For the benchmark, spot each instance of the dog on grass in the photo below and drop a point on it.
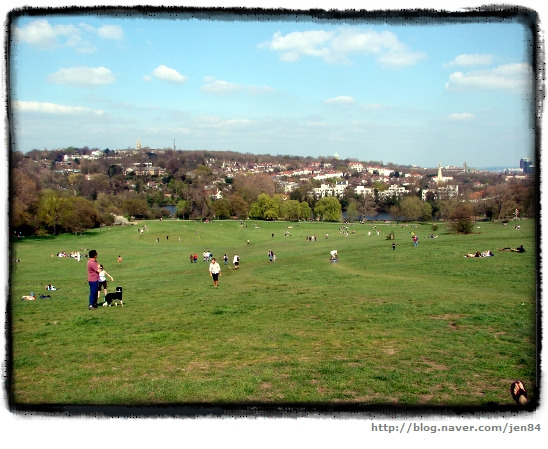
(114, 298)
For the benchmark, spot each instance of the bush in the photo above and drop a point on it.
(461, 226)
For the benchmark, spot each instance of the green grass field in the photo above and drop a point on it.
(418, 326)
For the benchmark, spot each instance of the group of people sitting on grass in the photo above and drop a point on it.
(519, 249)
(487, 253)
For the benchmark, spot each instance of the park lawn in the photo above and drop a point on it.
(418, 326)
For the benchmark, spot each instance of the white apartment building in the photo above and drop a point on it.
(336, 190)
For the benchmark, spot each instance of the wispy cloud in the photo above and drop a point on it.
(113, 32)
(168, 74)
(53, 109)
(82, 76)
(336, 47)
(470, 60)
(505, 77)
(343, 99)
(220, 87)
(460, 117)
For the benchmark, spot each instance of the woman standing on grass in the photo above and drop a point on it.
(214, 271)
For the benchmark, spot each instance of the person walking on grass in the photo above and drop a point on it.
(214, 271)
(93, 279)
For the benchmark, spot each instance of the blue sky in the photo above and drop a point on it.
(411, 94)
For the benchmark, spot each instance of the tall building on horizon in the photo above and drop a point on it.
(526, 165)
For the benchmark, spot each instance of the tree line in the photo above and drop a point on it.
(45, 201)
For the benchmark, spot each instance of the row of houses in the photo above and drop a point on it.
(339, 188)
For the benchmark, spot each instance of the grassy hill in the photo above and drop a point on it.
(416, 326)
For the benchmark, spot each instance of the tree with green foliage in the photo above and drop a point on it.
(135, 207)
(266, 208)
(49, 210)
(328, 209)
(238, 206)
(183, 209)
(77, 214)
(221, 208)
(305, 210)
(290, 210)
(352, 210)
(412, 208)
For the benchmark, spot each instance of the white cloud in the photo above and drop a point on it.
(111, 32)
(167, 74)
(53, 109)
(294, 45)
(220, 87)
(82, 76)
(45, 36)
(343, 99)
(504, 77)
(399, 59)
(41, 34)
(470, 60)
(460, 116)
(337, 46)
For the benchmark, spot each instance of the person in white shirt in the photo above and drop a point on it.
(236, 261)
(214, 271)
(103, 281)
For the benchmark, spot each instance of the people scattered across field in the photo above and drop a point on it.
(270, 255)
(236, 261)
(119, 259)
(415, 240)
(333, 256)
(519, 249)
(432, 236)
(214, 271)
(225, 259)
(50, 287)
(73, 255)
